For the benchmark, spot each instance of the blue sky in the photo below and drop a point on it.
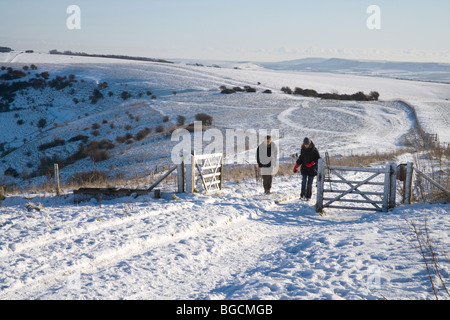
(233, 30)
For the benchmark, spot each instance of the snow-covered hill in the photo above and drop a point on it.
(159, 89)
(235, 244)
(434, 72)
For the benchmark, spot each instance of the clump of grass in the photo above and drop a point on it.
(94, 178)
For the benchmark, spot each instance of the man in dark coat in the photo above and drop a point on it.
(308, 160)
(266, 157)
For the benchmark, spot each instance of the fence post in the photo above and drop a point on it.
(392, 185)
(408, 182)
(387, 177)
(190, 174)
(221, 172)
(58, 190)
(320, 183)
(180, 176)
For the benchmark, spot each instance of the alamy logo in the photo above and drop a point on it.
(235, 144)
(73, 22)
(374, 20)
(373, 277)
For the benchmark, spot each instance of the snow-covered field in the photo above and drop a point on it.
(232, 245)
(235, 244)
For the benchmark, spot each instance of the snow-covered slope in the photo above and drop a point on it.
(235, 244)
(180, 89)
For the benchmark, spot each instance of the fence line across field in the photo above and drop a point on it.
(208, 169)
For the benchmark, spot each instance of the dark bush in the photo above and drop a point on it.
(55, 143)
(306, 92)
(42, 123)
(106, 144)
(125, 95)
(227, 91)
(46, 166)
(95, 152)
(59, 83)
(11, 172)
(374, 95)
(286, 90)
(12, 75)
(358, 96)
(142, 134)
(159, 128)
(204, 118)
(120, 139)
(45, 75)
(78, 138)
(180, 120)
(249, 89)
(96, 95)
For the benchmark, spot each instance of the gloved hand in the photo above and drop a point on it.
(309, 165)
(296, 168)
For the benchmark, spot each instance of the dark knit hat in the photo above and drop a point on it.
(306, 141)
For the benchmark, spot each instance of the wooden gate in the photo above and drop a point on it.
(207, 169)
(379, 196)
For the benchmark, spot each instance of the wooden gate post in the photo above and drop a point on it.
(320, 184)
(387, 177)
(408, 182)
(392, 185)
(190, 174)
(58, 189)
(180, 176)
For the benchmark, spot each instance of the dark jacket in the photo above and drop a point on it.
(308, 160)
(266, 156)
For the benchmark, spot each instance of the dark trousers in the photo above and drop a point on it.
(307, 182)
(267, 182)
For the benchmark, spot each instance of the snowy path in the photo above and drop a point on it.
(235, 245)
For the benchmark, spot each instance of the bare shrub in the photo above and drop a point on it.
(159, 128)
(142, 134)
(204, 118)
(180, 120)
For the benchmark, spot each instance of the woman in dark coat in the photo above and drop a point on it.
(309, 157)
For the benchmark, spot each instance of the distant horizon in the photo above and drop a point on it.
(79, 53)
